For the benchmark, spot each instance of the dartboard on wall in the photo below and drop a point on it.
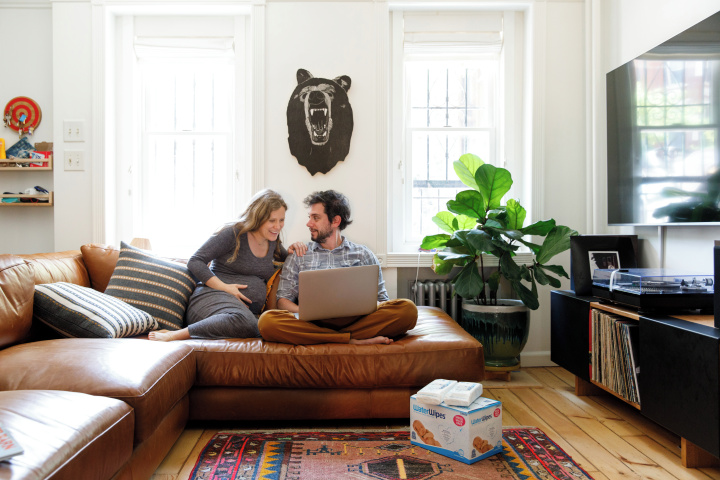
(22, 114)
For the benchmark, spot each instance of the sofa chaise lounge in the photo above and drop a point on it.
(113, 408)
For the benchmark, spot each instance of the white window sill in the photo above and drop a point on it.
(423, 259)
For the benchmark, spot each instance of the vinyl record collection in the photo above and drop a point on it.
(614, 354)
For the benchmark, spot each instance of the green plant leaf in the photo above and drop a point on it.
(540, 276)
(468, 283)
(469, 203)
(544, 279)
(516, 214)
(434, 241)
(525, 273)
(493, 183)
(532, 246)
(513, 234)
(480, 241)
(541, 228)
(503, 246)
(527, 296)
(465, 168)
(494, 281)
(509, 268)
(453, 257)
(444, 220)
(465, 223)
(558, 240)
(557, 270)
(440, 266)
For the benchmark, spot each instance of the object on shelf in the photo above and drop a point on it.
(2, 149)
(10, 199)
(21, 149)
(34, 193)
(652, 288)
(23, 115)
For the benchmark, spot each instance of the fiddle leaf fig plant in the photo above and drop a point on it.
(477, 224)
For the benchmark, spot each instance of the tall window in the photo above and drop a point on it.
(187, 151)
(179, 147)
(448, 91)
(450, 111)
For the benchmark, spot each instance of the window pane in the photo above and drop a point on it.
(187, 166)
(451, 93)
(434, 181)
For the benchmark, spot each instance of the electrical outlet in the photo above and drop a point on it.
(74, 160)
(74, 131)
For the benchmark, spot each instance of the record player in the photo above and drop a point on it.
(655, 288)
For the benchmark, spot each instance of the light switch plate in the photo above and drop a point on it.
(74, 130)
(74, 160)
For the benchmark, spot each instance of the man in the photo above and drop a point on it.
(329, 215)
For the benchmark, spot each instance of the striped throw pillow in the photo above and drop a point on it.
(159, 287)
(82, 312)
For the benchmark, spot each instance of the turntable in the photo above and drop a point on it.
(655, 289)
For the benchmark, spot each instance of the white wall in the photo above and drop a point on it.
(563, 147)
(72, 100)
(27, 71)
(329, 39)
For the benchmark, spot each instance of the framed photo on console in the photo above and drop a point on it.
(590, 252)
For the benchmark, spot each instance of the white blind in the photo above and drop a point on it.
(183, 47)
(479, 32)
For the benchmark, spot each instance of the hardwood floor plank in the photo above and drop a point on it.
(584, 447)
(566, 399)
(507, 419)
(659, 454)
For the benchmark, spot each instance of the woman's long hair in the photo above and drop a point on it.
(258, 212)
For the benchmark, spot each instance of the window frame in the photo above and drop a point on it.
(517, 150)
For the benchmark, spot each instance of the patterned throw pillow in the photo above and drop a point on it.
(82, 312)
(159, 287)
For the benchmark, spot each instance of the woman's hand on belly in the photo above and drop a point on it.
(231, 288)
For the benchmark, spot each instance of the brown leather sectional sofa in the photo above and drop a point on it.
(113, 408)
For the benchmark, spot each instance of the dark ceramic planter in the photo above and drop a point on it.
(502, 329)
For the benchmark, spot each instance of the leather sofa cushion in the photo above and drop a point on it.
(100, 261)
(66, 435)
(436, 348)
(149, 376)
(16, 299)
(65, 266)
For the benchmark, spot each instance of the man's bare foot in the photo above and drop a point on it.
(372, 341)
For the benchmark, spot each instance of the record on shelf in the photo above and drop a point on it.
(22, 114)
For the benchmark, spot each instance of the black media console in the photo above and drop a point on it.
(679, 369)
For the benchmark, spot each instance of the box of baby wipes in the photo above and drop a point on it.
(465, 433)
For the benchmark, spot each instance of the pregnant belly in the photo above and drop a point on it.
(255, 291)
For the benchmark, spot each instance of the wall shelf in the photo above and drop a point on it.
(49, 161)
(43, 200)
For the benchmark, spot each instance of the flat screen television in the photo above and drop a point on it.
(663, 132)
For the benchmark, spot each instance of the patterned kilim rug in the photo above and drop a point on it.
(527, 454)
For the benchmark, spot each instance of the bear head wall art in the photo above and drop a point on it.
(320, 121)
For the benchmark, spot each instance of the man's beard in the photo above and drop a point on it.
(321, 235)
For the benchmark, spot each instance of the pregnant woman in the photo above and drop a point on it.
(232, 269)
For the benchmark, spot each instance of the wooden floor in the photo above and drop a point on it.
(606, 437)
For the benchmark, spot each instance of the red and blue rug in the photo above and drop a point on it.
(527, 454)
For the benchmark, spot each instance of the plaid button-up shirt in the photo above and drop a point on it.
(347, 254)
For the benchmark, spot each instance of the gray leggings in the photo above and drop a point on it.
(215, 314)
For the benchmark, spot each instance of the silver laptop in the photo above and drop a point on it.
(338, 292)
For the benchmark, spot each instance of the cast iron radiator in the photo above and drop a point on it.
(437, 293)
